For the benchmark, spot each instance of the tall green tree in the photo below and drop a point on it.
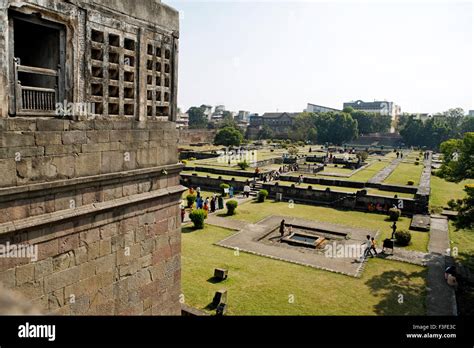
(335, 127)
(458, 154)
(228, 136)
(303, 128)
(197, 118)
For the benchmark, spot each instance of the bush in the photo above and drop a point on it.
(231, 206)
(452, 204)
(191, 158)
(403, 237)
(262, 194)
(394, 214)
(197, 217)
(191, 199)
(243, 165)
(417, 163)
(410, 182)
(224, 186)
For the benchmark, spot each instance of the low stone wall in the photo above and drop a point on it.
(228, 172)
(184, 155)
(212, 184)
(339, 199)
(324, 181)
(196, 136)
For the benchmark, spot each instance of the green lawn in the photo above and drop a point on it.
(442, 191)
(367, 173)
(254, 212)
(464, 240)
(405, 172)
(263, 286)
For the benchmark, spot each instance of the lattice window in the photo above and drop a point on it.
(159, 77)
(113, 56)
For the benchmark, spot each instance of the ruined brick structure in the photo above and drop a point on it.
(89, 170)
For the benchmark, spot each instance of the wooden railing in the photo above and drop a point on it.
(35, 100)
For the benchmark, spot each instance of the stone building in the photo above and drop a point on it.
(89, 173)
(280, 124)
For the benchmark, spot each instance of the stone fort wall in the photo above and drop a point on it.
(94, 196)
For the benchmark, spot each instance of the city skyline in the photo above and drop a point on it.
(293, 53)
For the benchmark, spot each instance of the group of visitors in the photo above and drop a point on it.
(211, 204)
(370, 245)
(289, 168)
(400, 154)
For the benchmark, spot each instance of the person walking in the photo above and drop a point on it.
(394, 229)
(282, 228)
(373, 245)
(213, 204)
(368, 245)
(199, 202)
(247, 190)
(183, 213)
(231, 192)
(206, 204)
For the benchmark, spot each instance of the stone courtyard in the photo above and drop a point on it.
(263, 239)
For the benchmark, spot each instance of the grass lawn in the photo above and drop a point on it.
(405, 172)
(442, 191)
(367, 173)
(263, 286)
(254, 212)
(464, 240)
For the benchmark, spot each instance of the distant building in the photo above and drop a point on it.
(182, 120)
(243, 116)
(318, 108)
(471, 113)
(207, 111)
(380, 107)
(279, 122)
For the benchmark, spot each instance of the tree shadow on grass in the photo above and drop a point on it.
(399, 296)
(190, 229)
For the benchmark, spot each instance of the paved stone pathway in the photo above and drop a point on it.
(441, 298)
(385, 172)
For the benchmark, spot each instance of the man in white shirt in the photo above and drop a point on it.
(247, 190)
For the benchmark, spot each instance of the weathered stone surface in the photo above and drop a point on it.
(63, 181)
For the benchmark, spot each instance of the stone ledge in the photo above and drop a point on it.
(95, 208)
(7, 193)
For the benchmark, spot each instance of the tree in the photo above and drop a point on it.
(228, 120)
(197, 118)
(303, 128)
(228, 136)
(265, 133)
(335, 127)
(458, 161)
(467, 125)
(465, 208)
(293, 151)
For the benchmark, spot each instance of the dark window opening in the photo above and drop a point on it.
(129, 44)
(128, 76)
(37, 61)
(114, 40)
(97, 36)
(167, 54)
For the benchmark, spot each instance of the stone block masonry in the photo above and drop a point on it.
(89, 197)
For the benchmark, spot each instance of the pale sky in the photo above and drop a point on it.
(264, 56)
